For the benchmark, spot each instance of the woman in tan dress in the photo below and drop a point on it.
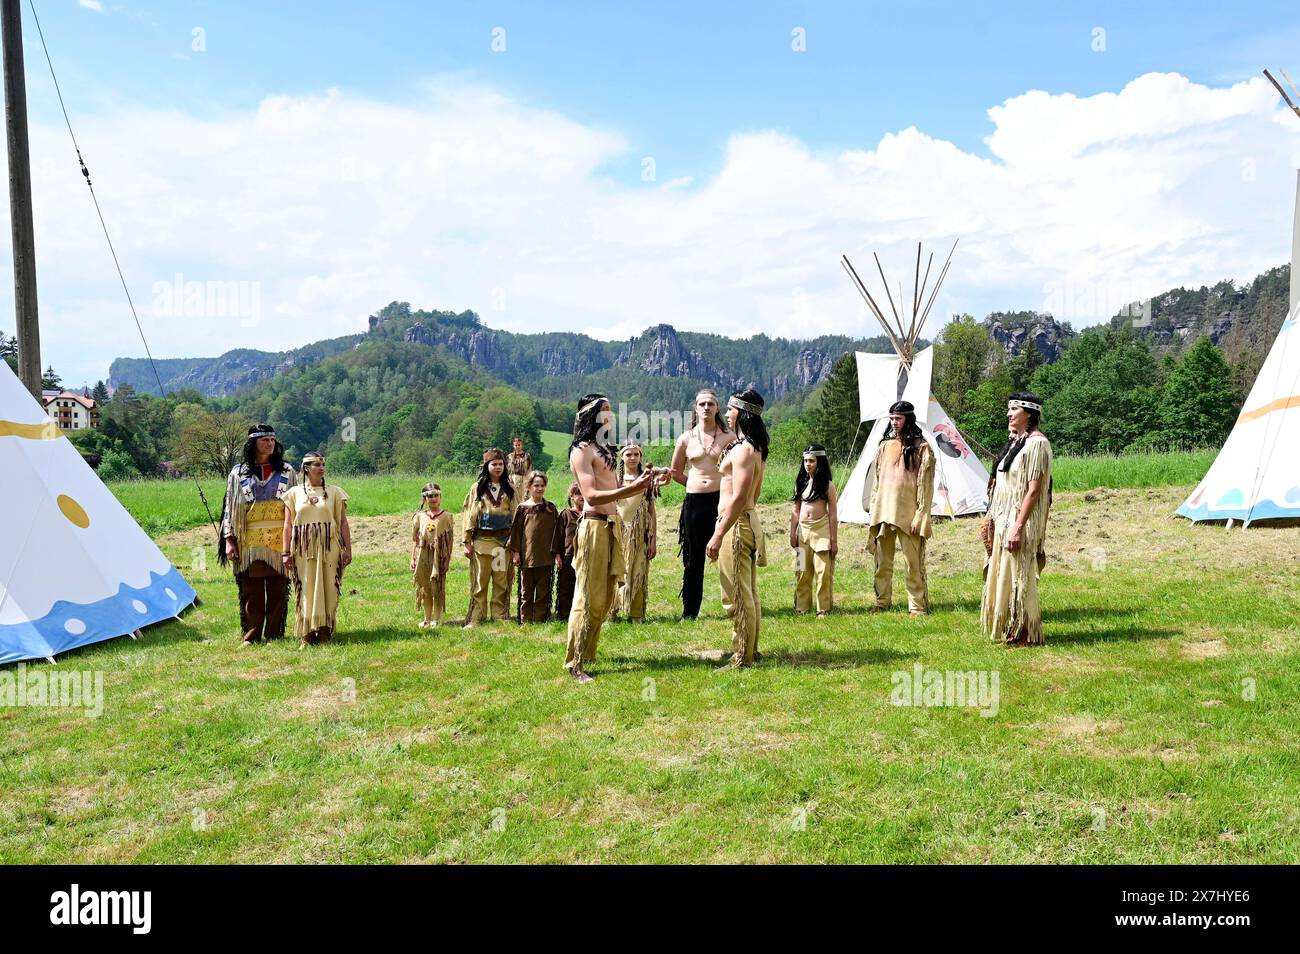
(486, 518)
(317, 547)
(1010, 611)
(431, 540)
(640, 538)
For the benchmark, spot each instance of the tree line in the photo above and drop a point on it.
(384, 406)
(1106, 393)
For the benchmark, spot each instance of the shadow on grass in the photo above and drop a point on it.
(788, 612)
(1076, 613)
(811, 659)
(1112, 634)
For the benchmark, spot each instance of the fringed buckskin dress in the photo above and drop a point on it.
(1010, 612)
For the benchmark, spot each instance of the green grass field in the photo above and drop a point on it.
(165, 506)
(1157, 725)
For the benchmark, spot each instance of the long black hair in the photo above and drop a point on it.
(250, 448)
(587, 428)
(910, 436)
(750, 425)
(821, 478)
(1008, 456)
(485, 479)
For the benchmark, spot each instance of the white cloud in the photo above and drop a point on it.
(91, 5)
(331, 205)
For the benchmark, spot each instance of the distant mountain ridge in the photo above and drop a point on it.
(560, 364)
(224, 375)
(661, 364)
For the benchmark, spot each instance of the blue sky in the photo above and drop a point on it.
(701, 88)
(676, 78)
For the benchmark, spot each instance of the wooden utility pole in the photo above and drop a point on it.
(20, 198)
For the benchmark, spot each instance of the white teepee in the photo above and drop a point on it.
(961, 482)
(1257, 473)
(75, 568)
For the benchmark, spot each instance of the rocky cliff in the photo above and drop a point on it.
(1013, 330)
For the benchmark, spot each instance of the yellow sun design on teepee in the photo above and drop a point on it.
(74, 511)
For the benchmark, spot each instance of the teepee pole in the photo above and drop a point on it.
(925, 283)
(916, 288)
(1278, 86)
(884, 281)
(1295, 253)
(871, 302)
(943, 273)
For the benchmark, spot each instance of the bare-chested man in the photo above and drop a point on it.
(598, 558)
(695, 464)
(737, 541)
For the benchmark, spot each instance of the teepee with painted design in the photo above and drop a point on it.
(1257, 473)
(960, 480)
(75, 568)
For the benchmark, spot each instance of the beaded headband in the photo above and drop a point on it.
(256, 434)
(1027, 405)
(814, 453)
(740, 404)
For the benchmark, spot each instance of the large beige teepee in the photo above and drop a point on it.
(961, 481)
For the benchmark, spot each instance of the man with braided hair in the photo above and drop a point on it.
(598, 562)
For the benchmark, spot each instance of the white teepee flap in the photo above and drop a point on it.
(918, 384)
(877, 383)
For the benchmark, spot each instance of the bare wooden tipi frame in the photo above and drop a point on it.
(903, 336)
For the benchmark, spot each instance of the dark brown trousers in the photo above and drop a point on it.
(263, 602)
(564, 589)
(535, 594)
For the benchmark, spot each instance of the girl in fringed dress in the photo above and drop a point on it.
(431, 541)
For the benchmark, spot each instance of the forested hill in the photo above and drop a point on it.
(660, 367)
(1242, 322)
(219, 377)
